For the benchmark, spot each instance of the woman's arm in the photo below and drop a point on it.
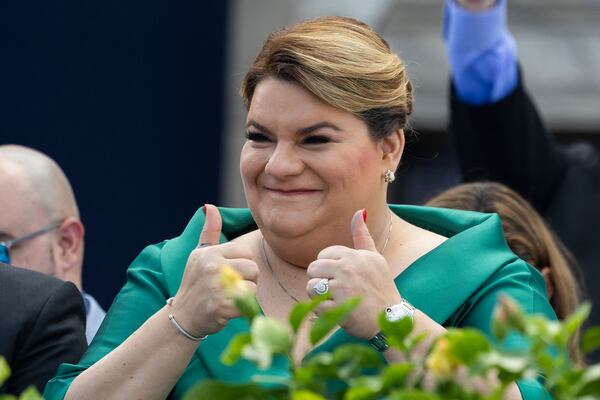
(422, 323)
(146, 365)
(148, 362)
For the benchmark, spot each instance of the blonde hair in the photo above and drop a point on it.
(527, 235)
(344, 63)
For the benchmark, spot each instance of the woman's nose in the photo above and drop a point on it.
(284, 161)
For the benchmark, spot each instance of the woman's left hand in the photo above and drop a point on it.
(361, 271)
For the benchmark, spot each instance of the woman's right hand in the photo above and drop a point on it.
(201, 306)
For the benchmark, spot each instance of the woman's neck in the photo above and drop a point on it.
(300, 251)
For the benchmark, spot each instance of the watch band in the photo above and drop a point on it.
(392, 313)
(379, 342)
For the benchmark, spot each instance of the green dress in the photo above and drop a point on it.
(456, 284)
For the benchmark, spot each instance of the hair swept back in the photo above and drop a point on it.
(343, 62)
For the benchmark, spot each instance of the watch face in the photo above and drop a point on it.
(398, 311)
(394, 313)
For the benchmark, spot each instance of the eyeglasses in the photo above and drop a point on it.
(5, 246)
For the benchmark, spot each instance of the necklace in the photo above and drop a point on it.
(276, 278)
(389, 233)
(273, 274)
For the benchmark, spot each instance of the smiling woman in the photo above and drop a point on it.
(327, 106)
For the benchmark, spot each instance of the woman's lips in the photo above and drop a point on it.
(292, 192)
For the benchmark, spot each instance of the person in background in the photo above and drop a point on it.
(327, 105)
(528, 236)
(40, 228)
(42, 322)
(500, 136)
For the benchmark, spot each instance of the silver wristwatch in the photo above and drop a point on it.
(398, 311)
(392, 313)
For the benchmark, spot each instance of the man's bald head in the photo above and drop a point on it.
(42, 179)
(34, 193)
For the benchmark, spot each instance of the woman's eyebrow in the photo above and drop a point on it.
(258, 126)
(302, 131)
(312, 128)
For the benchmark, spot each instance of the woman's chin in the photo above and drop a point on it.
(288, 225)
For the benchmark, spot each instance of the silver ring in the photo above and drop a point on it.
(204, 245)
(321, 287)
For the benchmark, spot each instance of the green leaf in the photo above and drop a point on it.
(590, 340)
(4, 370)
(312, 378)
(331, 319)
(31, 393)
(510, 367)
(248, 306)
(591, 381)
(211, 390)
(363, 391)
(499, 329)
(306, 395)
(575, 320)
(394, 376)
(269, 337)
(397, 332)
(539, 328)
(545, 361)
(412, 394)
(358, 354)
(320, 366)
(233, 352)
(302, 309)
(271, 334)
(262, 357)
(466, 345)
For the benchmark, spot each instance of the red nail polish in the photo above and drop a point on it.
(364, 214)
(204, 209)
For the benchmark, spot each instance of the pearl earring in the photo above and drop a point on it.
(389, 176)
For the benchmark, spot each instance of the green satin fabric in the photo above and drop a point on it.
(456, 284)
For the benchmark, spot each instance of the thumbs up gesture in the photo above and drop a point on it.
(359, 271)
(201, 305)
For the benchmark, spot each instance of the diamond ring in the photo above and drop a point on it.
(321, 287)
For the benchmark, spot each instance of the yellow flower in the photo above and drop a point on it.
(440, 361)
(232, 281)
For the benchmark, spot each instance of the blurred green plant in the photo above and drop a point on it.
(461, 364)
(31, 393)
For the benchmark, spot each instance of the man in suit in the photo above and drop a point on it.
(40, 228)
(42, 322)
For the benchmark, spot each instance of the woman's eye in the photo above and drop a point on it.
(316, 140)
(257, 137)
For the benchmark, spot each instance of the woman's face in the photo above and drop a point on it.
(307, 165)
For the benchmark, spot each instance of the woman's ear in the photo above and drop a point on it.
(547, 273)
(392, 147)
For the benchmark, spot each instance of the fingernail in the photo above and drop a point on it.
(364, 213)
(204, 209)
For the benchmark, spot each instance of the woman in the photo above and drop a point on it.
(528, 236)
(327, 103)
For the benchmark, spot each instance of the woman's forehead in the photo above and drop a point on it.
(278, 103)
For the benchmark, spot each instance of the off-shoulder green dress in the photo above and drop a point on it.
(456, 284)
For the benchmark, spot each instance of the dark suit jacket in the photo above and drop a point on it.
(507, 142)
(42, 324)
